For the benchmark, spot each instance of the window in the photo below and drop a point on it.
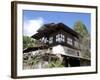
(44, 40)
(76, 44)
(60, 38)
(69, 41)
(50, 40)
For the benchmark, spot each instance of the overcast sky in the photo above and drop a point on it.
(33, 20)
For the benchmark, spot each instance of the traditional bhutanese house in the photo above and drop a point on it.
(64, 41)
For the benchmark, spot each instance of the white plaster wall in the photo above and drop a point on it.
(58, 50)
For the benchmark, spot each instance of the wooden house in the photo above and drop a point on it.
(63, 41)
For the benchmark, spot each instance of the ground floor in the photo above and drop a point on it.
(51, 61)
(57, 56)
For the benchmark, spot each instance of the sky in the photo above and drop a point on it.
(33, 20)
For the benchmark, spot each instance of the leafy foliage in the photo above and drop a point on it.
(80, 28)
(57, 63)
(28, 42)
(33, 61)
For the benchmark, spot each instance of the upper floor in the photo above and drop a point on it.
(54, 34)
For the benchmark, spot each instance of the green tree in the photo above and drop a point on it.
(80, 28)
(28, 42)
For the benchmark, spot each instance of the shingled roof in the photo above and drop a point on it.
(52, 27)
